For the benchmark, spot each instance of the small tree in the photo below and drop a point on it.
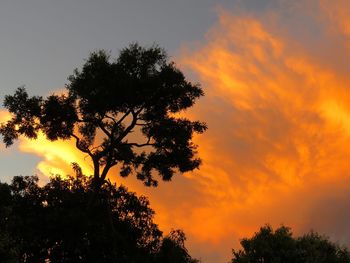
(173, 250)
(279, 246)
(119, 112)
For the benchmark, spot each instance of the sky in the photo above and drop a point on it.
(277, 104)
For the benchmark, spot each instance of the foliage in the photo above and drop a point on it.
(173, 249)
(57, 222)
(280, 246)
(7, 249)
(120, 112)
(63, 221)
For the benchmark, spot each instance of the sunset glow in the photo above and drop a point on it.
(277, 149)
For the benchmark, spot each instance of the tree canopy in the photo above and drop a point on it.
(56, 223)
(279, 246)
(173, 249)
(120, 112)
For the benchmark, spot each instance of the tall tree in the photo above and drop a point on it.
(120, 112)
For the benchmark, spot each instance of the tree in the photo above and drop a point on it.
(123, 112)
(8, 252)
(54, 223)
(314, 248)
(173, 250)
(280, 246)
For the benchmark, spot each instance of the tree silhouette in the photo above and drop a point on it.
(8, 251)
(173, 250)
(120, 112)
(55, 223)
(280, 246)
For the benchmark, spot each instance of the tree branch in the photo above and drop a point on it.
(80, 147)
(110, 117)
(140, 145)
(115, 141)
(105, 171)
(115, 125)
(130, 127)
(103, 128)
(122, 118)
(148, 143)
(141, 124)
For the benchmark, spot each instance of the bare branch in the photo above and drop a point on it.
(80, 147)
(115, 125)
(123, 118)
(103, 128)
(148, 143)
(105, 171)
(110, 117)
(115, 141)
(140, 145)
(130, 127)
(141, 124)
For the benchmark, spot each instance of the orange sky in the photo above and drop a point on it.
(278, 145)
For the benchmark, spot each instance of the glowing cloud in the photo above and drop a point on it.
(57, 156)
(278, 144)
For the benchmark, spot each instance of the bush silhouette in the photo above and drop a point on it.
(279, 246)
(58, 223)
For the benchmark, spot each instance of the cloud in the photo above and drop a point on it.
(278, 146)
(337, 15)
(57, 156)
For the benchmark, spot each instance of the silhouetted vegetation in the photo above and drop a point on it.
(57, 223)
(173, 249)
(280, 246)
(108, 100)
(119, 112)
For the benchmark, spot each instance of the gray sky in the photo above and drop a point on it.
(42, 41)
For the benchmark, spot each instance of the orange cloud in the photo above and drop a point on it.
(4, 115)
(278, 139)
(57, 156)
(338, 15)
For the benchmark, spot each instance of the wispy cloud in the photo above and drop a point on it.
(277, 148)
(57, 156)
